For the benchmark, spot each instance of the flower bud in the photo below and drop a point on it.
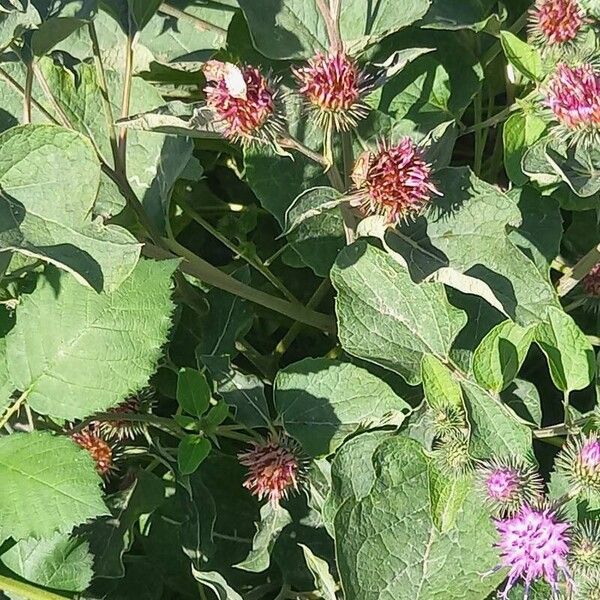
(584, 558)
(509, 483)
(334, 88)
(276, 468)
(395, 181)
(245, 101)
(579, 460)
(101, 451)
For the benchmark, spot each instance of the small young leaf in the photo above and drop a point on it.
(216, 415)
(447, 494)
(524, 57)
(441, 389)
(273, 518)
(499, 357)
(216, 582)
(569, 353)
(193, 392)
(320, 569)
(192, 450)
(309, 204)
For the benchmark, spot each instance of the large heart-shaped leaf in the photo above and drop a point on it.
(74, 352)
(388, 546)
(49, 180)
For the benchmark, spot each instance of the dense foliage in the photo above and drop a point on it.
(299, 299)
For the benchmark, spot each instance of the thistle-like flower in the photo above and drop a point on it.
(579, 460)
(534, 545)
(275, 468)
(245, 101)
(589, 589)
(100, 450)
(509, 483)
(573, 96)
(124, 429)
(555, 22)
(334, 88)
(452, 455)
(591, 282)
(395, 181)
(584, 558)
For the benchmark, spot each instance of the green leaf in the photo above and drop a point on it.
(578, 165)
(522, 396)
(500, 355)
(216, 582)
(49, 180)
(496, 430)
(448, 495)
(273, 518)
(440, 387)
(192, 450)
(524, 57)
(284, 29)
(245, 393)
(215, 416)
(277, 181)
(58, 562)
(385, 318)
(385, 535)
(309, 204)
(570, 355)
(193, 392)
(110, 536)
(230, 318)
(322, 402)
(75, 352)
(59, 21)
(154, 160)
(521, 130)
(465, 242)
(49, 485)
(15, 22)
(324, 582)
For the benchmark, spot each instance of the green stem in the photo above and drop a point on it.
(567, 409)
(102, 84)
(163, 423)
(19, 88)
(13, 409)
(256, 264)
(203, 270)
(121, 165)
(479, 138)
(575, 274)
(26, 590)
(295, 329)
(27, 94)
(199, 24)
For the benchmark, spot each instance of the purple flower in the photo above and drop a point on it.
(508, 483)
(534, 546)
(579, 460)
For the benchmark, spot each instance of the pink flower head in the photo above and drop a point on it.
(555, 22)
(573, 95)
(244, 100)
(100, 451)
(275, 468)
(591, 282)
(509, 483)
(590, 454)
(334, 87)
(395, 181)
(534, 545)
(122, 428)
(579, 460)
